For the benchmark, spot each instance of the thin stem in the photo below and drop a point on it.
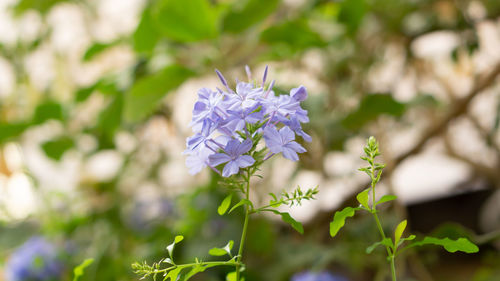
(244, 232)
(393, 268)
(390, 253)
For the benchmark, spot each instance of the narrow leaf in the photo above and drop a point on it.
(288, 219)
(386, 198)
(385, 242)
(225, 205)
(339, 219)
(78, 271)
(241, 203)
(399, 231)
(461, 244)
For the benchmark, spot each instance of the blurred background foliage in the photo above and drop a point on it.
(95, 100)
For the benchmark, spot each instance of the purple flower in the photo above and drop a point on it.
(35, 260)
(320, 276)
(228, 113)
(283, 141)
(294, 124)
(233, 155)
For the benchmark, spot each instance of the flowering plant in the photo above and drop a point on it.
(235, 131)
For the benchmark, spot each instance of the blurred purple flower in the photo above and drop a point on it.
(234, 156)
(35, 260)
(317, 276)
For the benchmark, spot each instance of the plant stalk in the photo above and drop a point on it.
(244, 232)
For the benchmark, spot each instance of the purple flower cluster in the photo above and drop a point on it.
(36, 259)
(227, 125)
(319, 276)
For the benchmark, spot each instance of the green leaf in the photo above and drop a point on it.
(224, 205)
(111, 117)
(170, 248)
(147, 92)
(362, 198)
(241, 203)
(42, 6)
(48, 110)
(55, 149)
(173, 275)
(399, 231)
(295, 34)
(186, 21)
(78, 271)
(352, 13)
(461, 244)
(146, 35)
(339, 219)
(11, 130)
(253, 11)
(386, 198)
(96, 49)
(291, 221)
(385, 242)
(226, 250)
(371, 107)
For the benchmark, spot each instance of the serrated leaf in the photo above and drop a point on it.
(386, 198)
(288, 219)
(339, 219)
(224, 205)
(241, 203)
(385, 242)
(399, 231)
(461, 244)
(362, 198)
(79, 270)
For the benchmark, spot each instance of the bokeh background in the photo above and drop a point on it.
(96, 98)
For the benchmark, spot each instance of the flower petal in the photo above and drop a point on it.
(218, 158)
(245, 161)
(230, 169)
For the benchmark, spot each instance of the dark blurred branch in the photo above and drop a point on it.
(458, 108)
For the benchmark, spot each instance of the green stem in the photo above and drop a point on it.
(244, 232)
(390, 253)
(393, 268)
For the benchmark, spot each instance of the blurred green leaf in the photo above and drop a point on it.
(111, 117)
(42, 6)
(241, 203)
(78, 271)
(11, 130)
(148, 91)
(352, 13)
(461, 244)
(46, 111)
(244, 15)
(55, 148)
(288, 219)
(96, 49)
(295, 34)
(339, 219)
(371, 107)
(146, 35)
(385, 242)
(186, 21)
(225, 205)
